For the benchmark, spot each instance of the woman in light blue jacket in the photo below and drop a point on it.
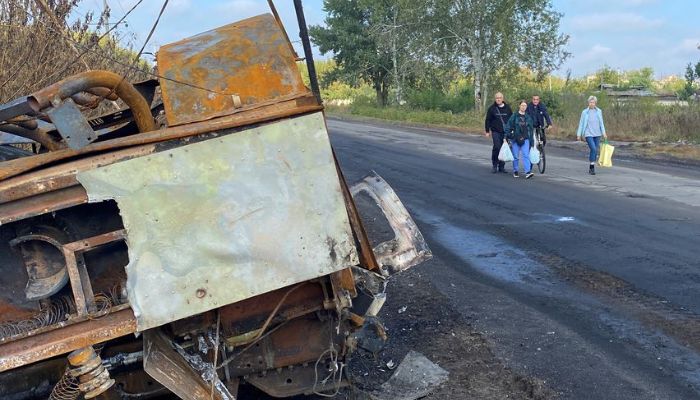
(591, 127)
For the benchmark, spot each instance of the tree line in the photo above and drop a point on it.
(394, 45)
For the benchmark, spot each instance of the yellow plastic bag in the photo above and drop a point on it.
(606, 153)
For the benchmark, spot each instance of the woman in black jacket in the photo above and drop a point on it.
(519, 131)
(496, 117)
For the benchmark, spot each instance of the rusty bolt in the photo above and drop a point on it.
(201, 293)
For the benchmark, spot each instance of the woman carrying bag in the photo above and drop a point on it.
(591, 127)
(519, 130)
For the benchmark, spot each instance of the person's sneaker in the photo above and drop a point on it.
(493, 170)
(515, 174)
(529, 175)
(591, 170)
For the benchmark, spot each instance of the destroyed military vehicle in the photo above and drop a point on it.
(200, 238)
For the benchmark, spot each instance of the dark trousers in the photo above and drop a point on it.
(497, 143)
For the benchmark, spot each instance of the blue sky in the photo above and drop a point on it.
(624, 34)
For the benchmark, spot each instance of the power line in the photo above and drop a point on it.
(96, 42)
(138, 56)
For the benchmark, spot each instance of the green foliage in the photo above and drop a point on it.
(690, 77)
(643, 77)
(455, 101)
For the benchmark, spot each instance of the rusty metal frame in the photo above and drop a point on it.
(49, 343)
(77, 271)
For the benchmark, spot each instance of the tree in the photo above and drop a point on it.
(607, 75)
(690, 77)
(488, 36)
(643, 77)
(349, 35)
(373, 41)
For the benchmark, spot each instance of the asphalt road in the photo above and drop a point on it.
(588, 283)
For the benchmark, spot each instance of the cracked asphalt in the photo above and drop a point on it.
(585, 284)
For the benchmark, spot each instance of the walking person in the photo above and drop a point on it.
(591, 127)
(519, 131)
(496, 116)
(540, 117)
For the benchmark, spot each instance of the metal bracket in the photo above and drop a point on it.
(71, 124)
(77, 271)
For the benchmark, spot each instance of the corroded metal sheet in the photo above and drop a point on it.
(229, 218)
(238, 65)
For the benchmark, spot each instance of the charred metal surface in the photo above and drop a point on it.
(80, 281)
(367, 257)
(171, 370)
(296, 380)
(232, 67)
(408, 247)
(299, 341)
(51, 343)
(42, 253)
(226, 219)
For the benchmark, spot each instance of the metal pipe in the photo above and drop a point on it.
(308, 53)
(88, 80)
(17, 107)
(38, 135)
(24, 122)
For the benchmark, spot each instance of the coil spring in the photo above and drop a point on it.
(66, 389)
(56, 312)
(93, 378)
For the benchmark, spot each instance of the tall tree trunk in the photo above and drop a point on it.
(479, 79)
(394, 59)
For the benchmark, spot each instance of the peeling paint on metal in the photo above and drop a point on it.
(250, 59)
(231, 217)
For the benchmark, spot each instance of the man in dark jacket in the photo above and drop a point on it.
(496, 118)
(539, 115)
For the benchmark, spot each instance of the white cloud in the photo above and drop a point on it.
(597, 50)
(615, 22)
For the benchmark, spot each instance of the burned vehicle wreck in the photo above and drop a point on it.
(200, 238)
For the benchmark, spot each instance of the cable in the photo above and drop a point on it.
(85, 51)
(260, 335)
(128, 65)
(138, 56)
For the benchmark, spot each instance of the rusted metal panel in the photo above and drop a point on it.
(223, 220)
(44, 345)
(228, 68)
(367, 258)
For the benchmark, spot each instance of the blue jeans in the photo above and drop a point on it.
(594, 145)
(525, 148)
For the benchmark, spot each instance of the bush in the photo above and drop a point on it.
(456, 101)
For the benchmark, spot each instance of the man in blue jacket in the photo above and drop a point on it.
(538, 112)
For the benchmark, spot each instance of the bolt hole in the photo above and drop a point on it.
(289, 380)
(248, 365)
